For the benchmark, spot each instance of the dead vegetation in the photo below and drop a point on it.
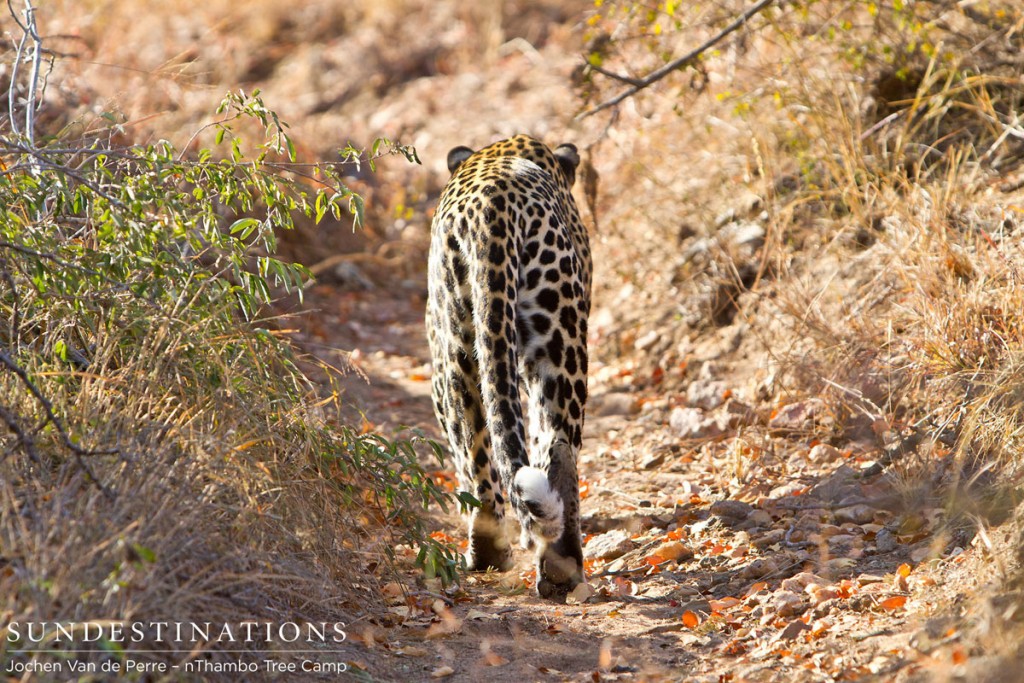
(808, 304)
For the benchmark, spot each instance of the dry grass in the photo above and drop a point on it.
(881, 151)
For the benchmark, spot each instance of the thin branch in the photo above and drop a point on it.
(675, 64)
(24, 440)
(33, 81)
(13, 86)
(52, 418)
(629, 80)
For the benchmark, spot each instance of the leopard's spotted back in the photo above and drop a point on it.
(509, 295)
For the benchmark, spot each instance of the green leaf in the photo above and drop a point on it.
(244, 226)
(145, 553)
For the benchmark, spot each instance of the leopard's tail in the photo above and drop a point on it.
(533, 493)
(534, 490)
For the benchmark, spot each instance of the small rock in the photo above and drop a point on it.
(857, 514)
(797, 416)
(838, 565)
(741, 234)
(792, 630)
(843, 539)
(692, 423)
(820, 594)
(653, 460)
(867, 579)
(740, 414)
(646, 341)
(733, 510)
(351, 276)
(769, 538)
(706, 394)
(788, 604)
(829, 530)
(609, 546)
(799, 582)
(922, 552)
(824, 453)
(786, 490)
(580, 594)
(614, 403)
(758, 568)
(885, 541)
(759, 518)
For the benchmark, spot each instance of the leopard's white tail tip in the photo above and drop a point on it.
(543, 501)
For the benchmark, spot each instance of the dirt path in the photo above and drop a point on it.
(711, 558)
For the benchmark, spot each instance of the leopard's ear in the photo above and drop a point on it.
(457, 156)
(568, 159)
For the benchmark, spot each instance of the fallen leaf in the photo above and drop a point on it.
(690, 619)
(723, 604)
(893, 603)
(674, 551)
(411, 651)
(581, 593)
(442, 672)
(792, 630)
(392, 589)
(959, 656)
(820, 627)
(904, 570)
(475, 614)
(756, 588)
(624, 586)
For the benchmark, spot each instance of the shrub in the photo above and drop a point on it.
(163, 455)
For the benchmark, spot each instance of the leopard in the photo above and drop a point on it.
(508, 298)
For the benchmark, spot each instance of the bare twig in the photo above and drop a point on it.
(24, 439)
(52, 418)
(629, 80)
(675, 64)
(29, 33)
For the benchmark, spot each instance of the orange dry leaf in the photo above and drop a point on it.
(959, 656)
(494, 659)
(690, 619)
(675, 534)
(759, 586)
(893, 603)
(418, 377)
(584, 488)
(723, 604)
(904, 570)
(624, 586)
(655, 560)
